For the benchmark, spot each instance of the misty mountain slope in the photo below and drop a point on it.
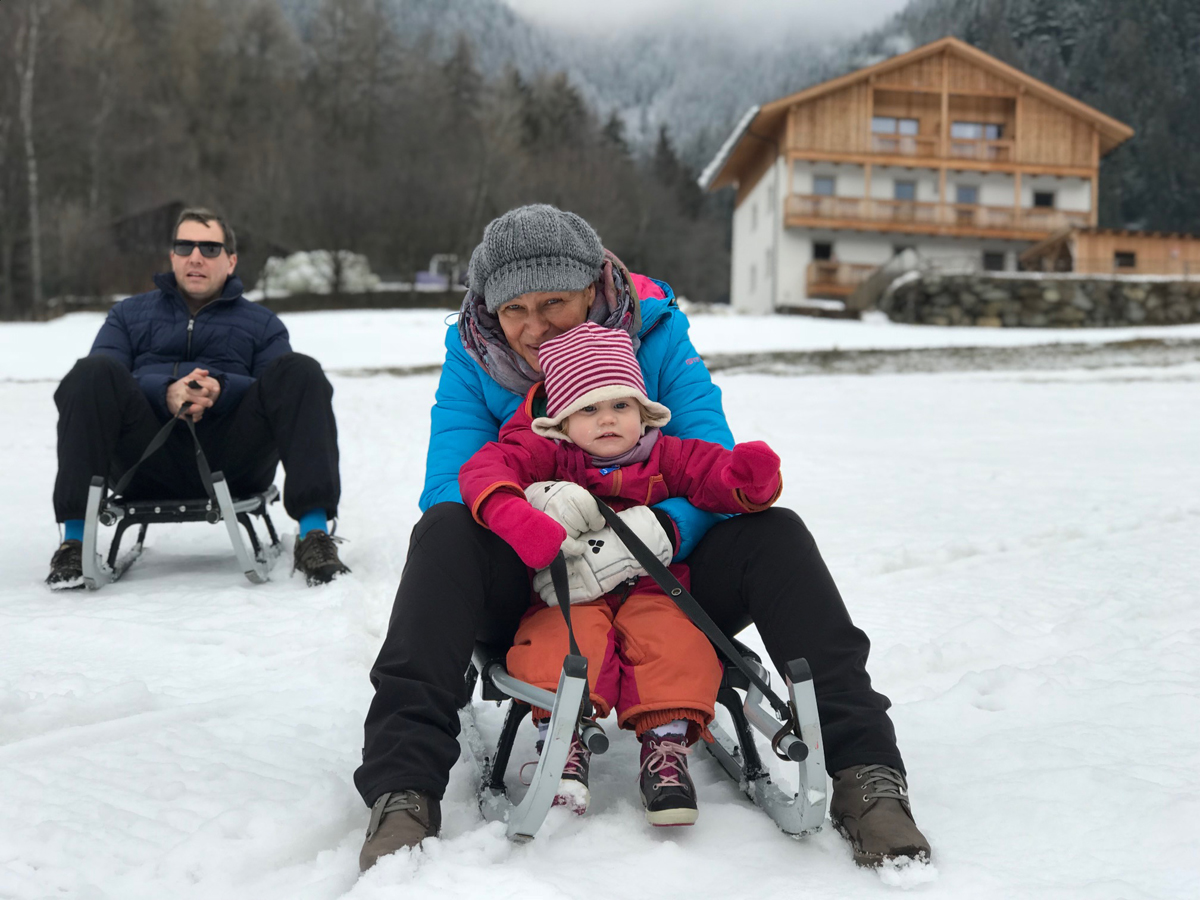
(498, 36)
(689, 75)
(1134, 60)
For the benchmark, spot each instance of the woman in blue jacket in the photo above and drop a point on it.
(537, 273)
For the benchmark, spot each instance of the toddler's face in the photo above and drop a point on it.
(608, 428)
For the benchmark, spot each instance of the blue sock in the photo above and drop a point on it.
(73, 530)
(313, 520)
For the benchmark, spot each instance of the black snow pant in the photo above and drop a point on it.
(105, 423)
(462, 582)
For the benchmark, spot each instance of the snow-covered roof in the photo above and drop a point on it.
(711, 170)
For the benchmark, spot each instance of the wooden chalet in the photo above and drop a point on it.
(944, 150)
(1109, 251)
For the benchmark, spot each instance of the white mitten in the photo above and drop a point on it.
(607, 562)
(581, 582)
(568, 504)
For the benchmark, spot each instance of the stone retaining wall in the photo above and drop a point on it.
(1046, 301)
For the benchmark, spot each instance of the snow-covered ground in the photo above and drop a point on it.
(1021, 546)
(354, 340)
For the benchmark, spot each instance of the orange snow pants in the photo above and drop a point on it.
(645, 659)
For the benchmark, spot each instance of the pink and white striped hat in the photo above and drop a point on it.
(588, 364)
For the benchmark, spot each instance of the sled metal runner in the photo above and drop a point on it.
(217, 505)
(792, 727)
(794, 738)
(796, 814)
(565, 704)
(254, 560)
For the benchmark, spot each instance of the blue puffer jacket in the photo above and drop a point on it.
(471, 407)
(155, 336)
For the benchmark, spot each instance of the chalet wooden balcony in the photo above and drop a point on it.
(928, 147)
(904, 145)
(914, 217)
(837, 280)
(986, 151)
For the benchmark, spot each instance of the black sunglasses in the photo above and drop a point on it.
(208, 249)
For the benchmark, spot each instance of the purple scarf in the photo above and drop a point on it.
(639, 452)
(616, 306)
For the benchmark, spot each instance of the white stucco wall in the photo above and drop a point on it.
(1073, 194)
(755, 245)
(865, 248)
(884, 178)
(757, 228)
(967, 251)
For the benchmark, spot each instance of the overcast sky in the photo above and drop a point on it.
(842, 18)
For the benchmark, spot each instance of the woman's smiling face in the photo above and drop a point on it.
(528, 321)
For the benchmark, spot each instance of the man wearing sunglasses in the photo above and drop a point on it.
(196, 348)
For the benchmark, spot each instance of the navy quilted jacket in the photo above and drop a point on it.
(155, 336)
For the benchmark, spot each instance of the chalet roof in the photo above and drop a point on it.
(723, 169)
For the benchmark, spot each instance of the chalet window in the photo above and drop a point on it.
(904, 190)
(966, 194)
(993, 262)
(754, 217)
(1043, 199)
(892, 125)
(753, 278)
(976, 131)
(822, 250)
(823, 185)
(1125, 259)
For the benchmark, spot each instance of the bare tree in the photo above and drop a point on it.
(333, 129)
(27, 41)
(104, 39)
(7, 307)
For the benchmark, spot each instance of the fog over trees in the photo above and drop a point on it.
(331, 129)
(398, 128)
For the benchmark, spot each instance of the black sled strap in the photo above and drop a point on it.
(693, 610)
(202, 463)
(558, 576)
(151, 448)
(156, 443)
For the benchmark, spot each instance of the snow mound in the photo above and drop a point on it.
(906, 873)
(573, 795)
(316, 272)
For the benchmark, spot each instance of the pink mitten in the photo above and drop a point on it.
(754, 470)
(534, 535)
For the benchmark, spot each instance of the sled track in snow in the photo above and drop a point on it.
(1149, 352)
(1139, 353)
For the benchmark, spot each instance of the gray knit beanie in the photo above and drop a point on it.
(534, 248)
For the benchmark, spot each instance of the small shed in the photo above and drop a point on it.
(1111, 251)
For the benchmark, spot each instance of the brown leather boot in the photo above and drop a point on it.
(870, 809)
(399, 819)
